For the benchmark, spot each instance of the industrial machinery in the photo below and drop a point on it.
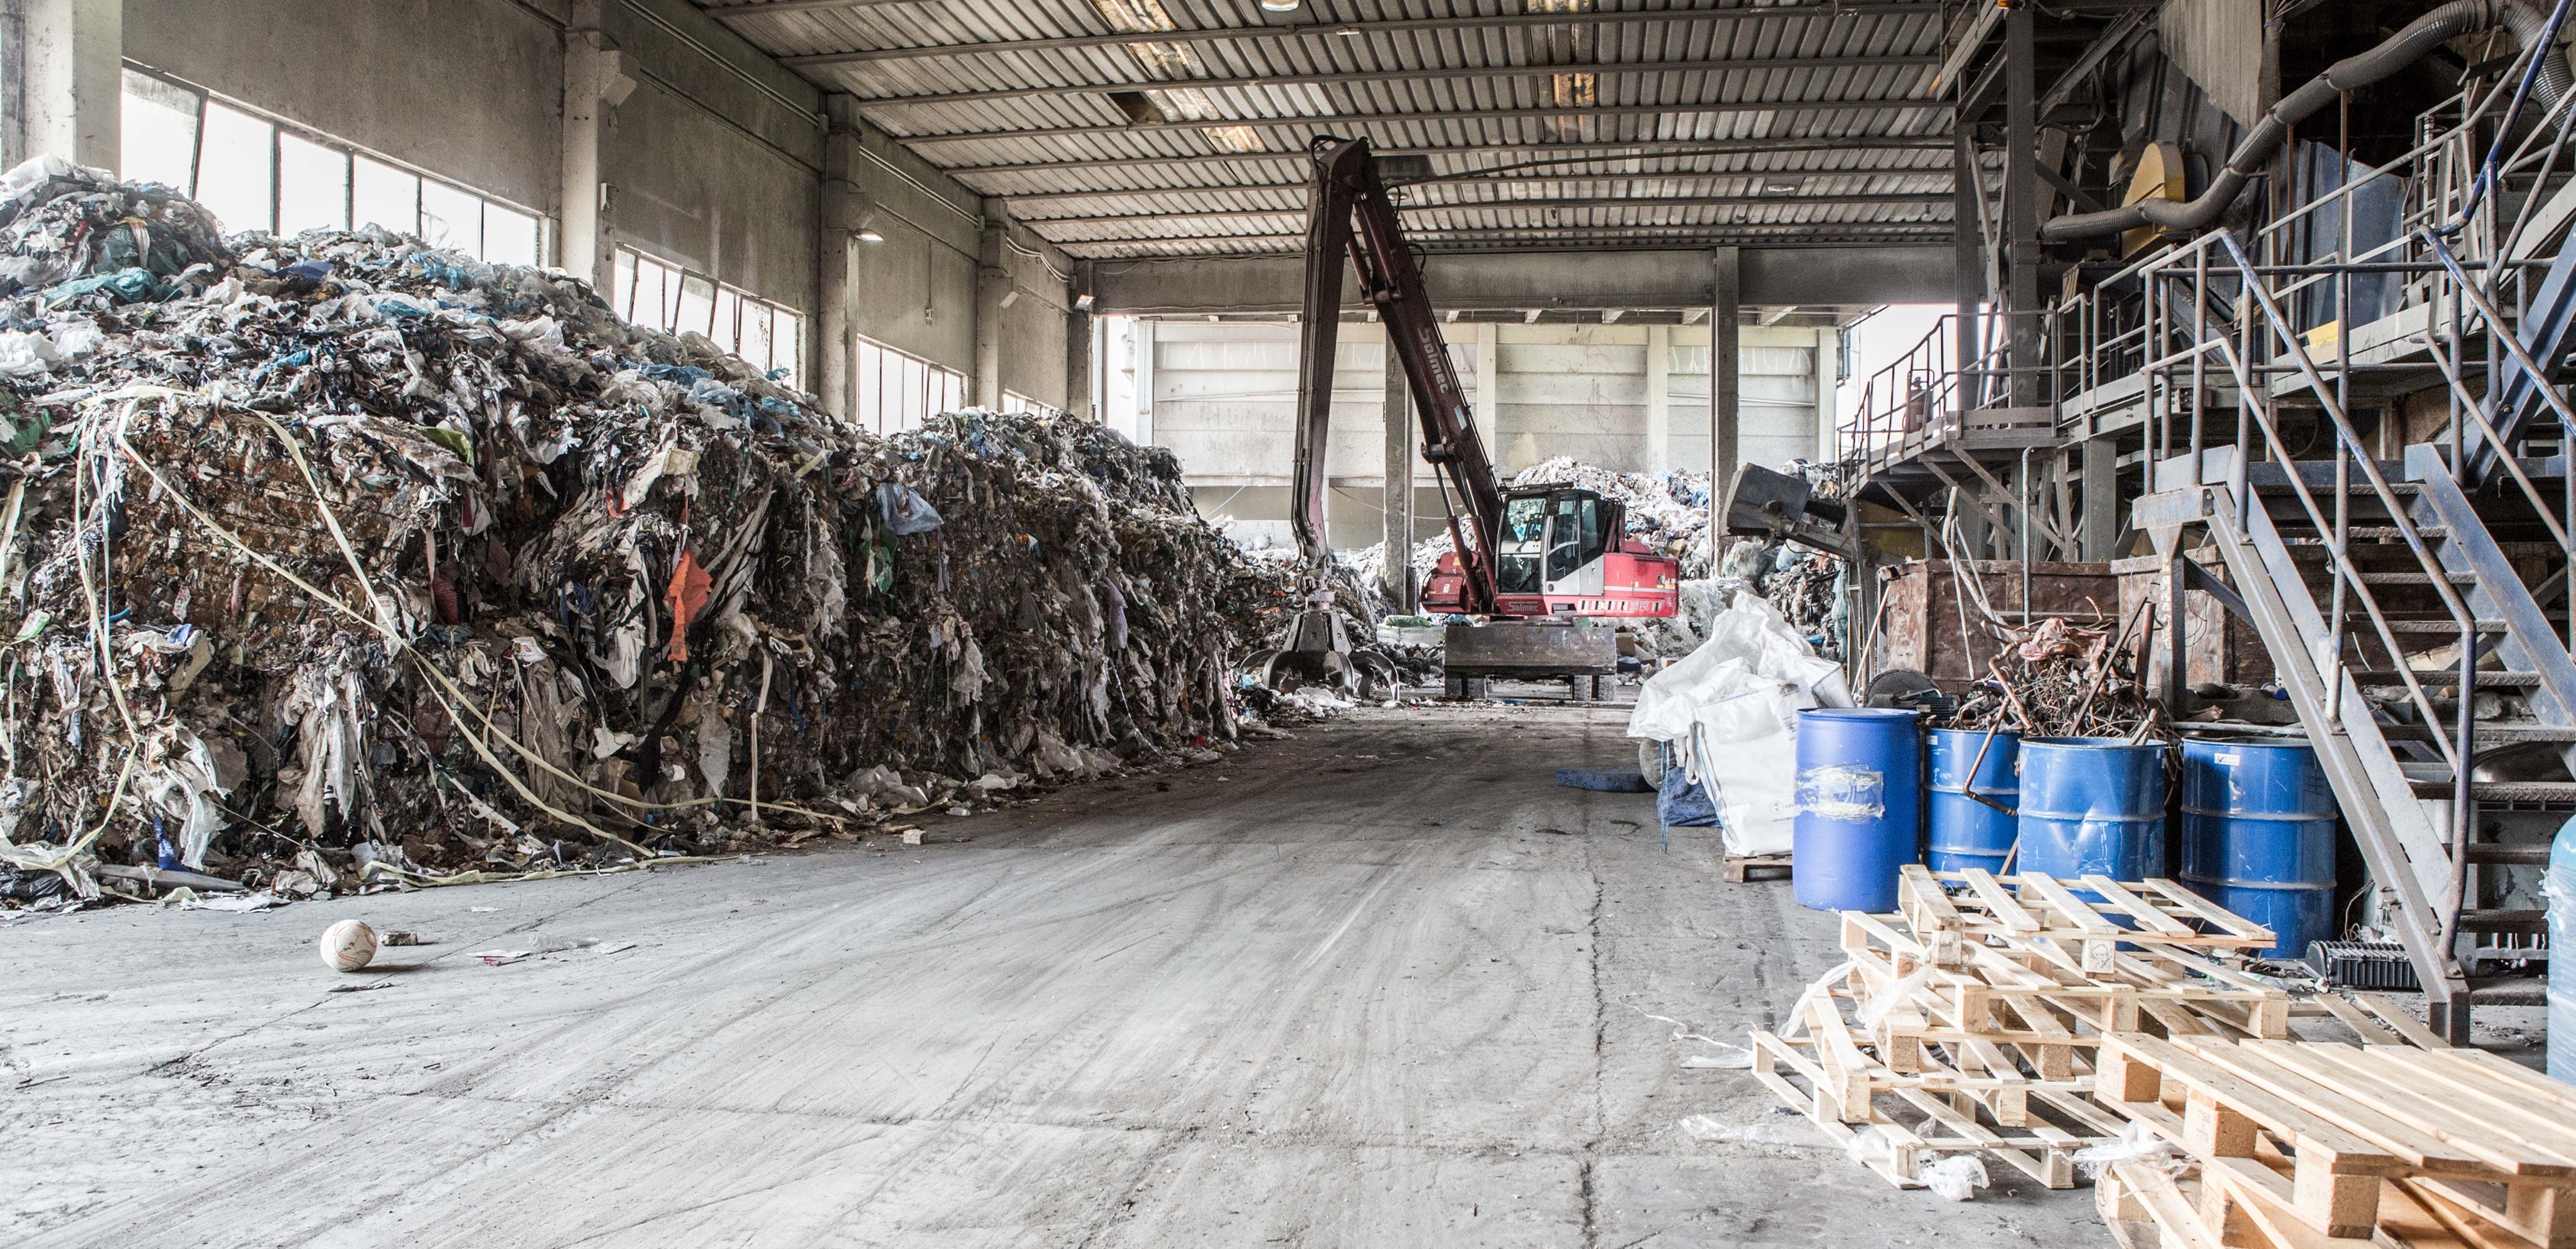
(1532, 560)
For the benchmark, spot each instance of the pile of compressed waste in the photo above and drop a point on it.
(338, 557)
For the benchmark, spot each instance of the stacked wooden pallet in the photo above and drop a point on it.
(1985, 1010)
(2303, 1144)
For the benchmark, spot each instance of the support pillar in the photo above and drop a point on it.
(992, 295)
(835, 255)
(1144, 340)
(1078, 364)
(1489, 390)
(1725, 382)
(1966, 255)
(1397, 490)
(66, 80)
(2021, 204)
(1829, 349)
(2101, 498)
(596, 79)
(1659, 399)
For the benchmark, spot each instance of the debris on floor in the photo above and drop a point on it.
(338, 562)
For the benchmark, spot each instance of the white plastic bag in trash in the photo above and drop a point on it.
(1733, 706)
(1955, 1178)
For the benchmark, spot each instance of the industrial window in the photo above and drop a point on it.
(896, 392)
(667, 297)
(1014, 401)
(255, 174)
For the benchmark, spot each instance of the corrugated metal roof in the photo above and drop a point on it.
(1124, 128)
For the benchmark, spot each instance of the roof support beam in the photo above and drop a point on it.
(1450, 115)
(1555, 236)
(1744, 66)
(1588, 201)
(1774, 271)
(1229, 34)
(1903, 171)
(1609, 151)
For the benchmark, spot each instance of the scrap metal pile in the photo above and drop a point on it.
(377, 560)
(2058, 679)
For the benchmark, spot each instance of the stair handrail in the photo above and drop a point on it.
(2340, 567)
(2503, 336)
(2348, 442)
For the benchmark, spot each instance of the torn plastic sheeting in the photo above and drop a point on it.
(906, 512)
(1843, 792)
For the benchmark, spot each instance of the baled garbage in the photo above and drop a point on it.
(338, 559)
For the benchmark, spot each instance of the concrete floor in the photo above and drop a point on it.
(1381, 985)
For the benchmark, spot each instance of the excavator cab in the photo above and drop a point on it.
(1553, 540)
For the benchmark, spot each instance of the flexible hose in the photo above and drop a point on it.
(2460, 17)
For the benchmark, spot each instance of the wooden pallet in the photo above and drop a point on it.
(2147, 1207)
(2088, 922)
(2025, 984)
(1736, 865)
(2301, 1143)
(1976, 1097)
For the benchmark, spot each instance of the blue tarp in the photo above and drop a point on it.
(1607, 780)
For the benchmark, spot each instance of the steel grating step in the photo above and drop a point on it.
(2563, 792)
(2499, 678)
(2487, 734)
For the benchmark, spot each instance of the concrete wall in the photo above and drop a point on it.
(915, 292)
(468, 89)
(1223, 398)
(714, 161)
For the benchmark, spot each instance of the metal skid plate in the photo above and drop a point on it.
(1521, 648)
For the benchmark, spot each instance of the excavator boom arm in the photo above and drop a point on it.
(1352, 217)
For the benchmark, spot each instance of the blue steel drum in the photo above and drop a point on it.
(1964, 832)
(2092, 805)
(2559, 888)
(1860, 806)
(2258, 836)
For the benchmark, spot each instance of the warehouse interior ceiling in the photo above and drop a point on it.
(1121, 129)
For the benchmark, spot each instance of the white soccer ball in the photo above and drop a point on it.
(348, 945)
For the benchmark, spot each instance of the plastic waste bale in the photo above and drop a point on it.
(394, 547)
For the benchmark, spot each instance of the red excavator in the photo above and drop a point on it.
(1532, 559)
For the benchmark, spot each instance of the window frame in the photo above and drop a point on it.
(628, 267)
(541, 235)
(908, 389)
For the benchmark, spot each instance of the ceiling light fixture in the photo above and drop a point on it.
(869, 236)
(1279, 6)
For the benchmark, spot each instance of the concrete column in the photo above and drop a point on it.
(1659, 398)
(578, 196)
(992, 289)
(1829, 346)
(1144, 339)
(1489, 390)
(1396, 494)
(1078, 363)
(1725, 384)
(835, 258)
(2101, 498)
(2021, 201)
(68, 81)
(1966, 249)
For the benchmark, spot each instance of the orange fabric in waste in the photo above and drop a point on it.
(687, 596)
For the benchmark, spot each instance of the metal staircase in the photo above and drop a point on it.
(2400, 616)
